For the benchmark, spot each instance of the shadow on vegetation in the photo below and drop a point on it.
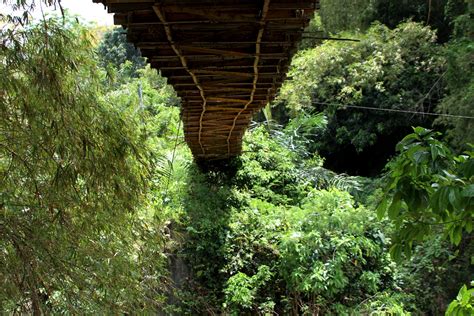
(197, 263)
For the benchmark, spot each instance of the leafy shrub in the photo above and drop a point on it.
(324, 253)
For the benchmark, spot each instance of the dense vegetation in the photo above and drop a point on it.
(338, 205)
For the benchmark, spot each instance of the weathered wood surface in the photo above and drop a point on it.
(226, 59)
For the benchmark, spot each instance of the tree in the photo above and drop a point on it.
(433, 190)
(429, 192)
(74, 173)
(350, 16)
(460, 84)
(398, 70)
(343, 15)
(114, 51)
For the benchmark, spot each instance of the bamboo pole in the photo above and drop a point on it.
(266, 5)
(169, 36)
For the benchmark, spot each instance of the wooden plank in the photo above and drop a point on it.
(222, 73)
(226, 100)
(215, 58)
(213, 51)
(211, 13)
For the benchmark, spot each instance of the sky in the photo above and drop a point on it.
(89, 11)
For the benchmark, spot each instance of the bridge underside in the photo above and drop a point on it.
(226, 59)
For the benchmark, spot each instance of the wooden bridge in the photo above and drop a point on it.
(225, 58)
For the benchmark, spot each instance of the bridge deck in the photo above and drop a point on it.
(226, 59)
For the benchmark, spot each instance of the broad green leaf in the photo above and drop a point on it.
(456, 234)
(396, 252)
(468, 191)
(395, 207)
(382, 208)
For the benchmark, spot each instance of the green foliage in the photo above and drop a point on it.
(432, 190)
(102, 212)
(21, 10)
(278, 168)
(396, 69)
(326, 255)
(438, 266)
(75, 236)
(344, 15)
(267, 241)
(268, 170)
(460, 83)
(114, 50)
(206, 208)
(384, 303)
(241, 289)
(329, 253)
(464, 303)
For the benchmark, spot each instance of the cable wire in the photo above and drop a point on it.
(394, 110)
